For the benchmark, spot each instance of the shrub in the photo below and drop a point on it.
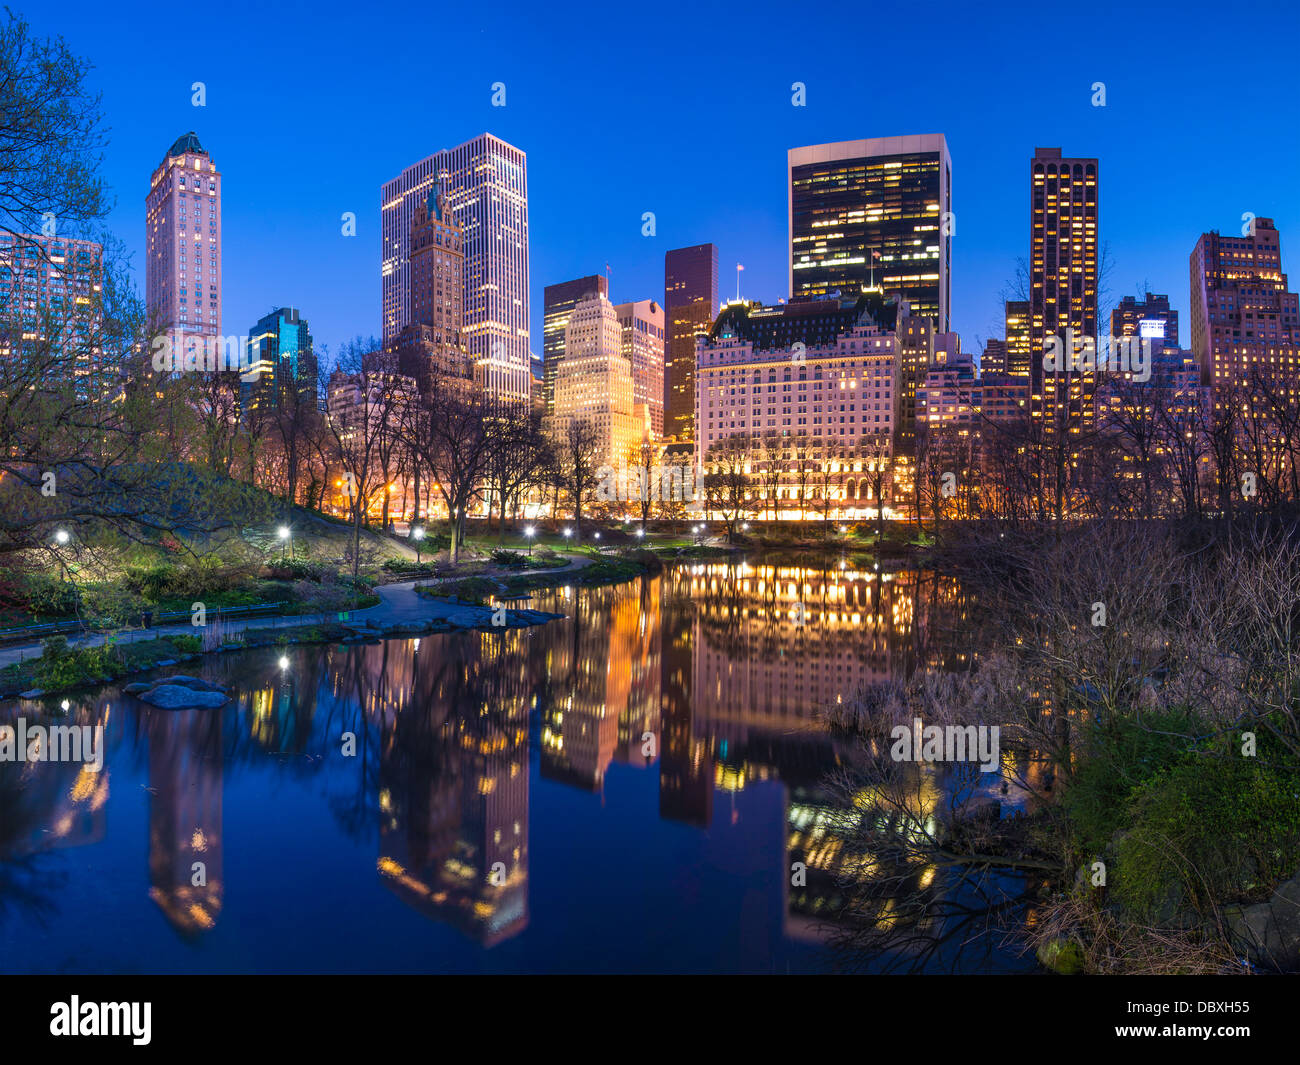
(510, 559)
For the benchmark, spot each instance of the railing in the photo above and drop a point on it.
(59, 628)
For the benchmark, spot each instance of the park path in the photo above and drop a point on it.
(399, 604)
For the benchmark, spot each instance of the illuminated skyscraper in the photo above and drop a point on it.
(281, 361)
(642, 323)
(486, 190)
(1149, 319)
(873, 213)
(183, 240)
(594, 383)
(690, 303)
(1245, 321)
(1063, 215)
(1019, 348)
(558, 302)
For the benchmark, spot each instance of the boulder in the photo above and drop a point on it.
(191, 682)
(181, 697)
(32, 693)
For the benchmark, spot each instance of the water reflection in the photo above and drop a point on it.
(710, 677)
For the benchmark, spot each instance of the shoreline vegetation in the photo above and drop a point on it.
(1146, 818)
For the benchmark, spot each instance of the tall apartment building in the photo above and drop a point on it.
(594, 381)
(1063, 217)
(994, 357)
(1148, 319)
(183, 241)
(281, 362)
(642, 322)
(916, 344)
(1245, 320)
(690, 303)
(873, 213)
(51, 301)
(558, 302)
(486, 190)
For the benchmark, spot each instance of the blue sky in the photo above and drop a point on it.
(684, 109)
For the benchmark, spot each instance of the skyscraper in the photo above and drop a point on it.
(558, 302)
(690, 302)
(437, 269)
(486, 192)
(183, 240)
(594, 381)
(1019, 348)
(1063, 213)
(642, 323)
(1062, 251)
(281, 362)
(1245, 321)
(873, 213)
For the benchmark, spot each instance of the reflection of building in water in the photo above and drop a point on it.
(57, 804)
(686, 763)
(603, 675)
(453, 800)
(185, 775)
(842, 881)
(776, 645)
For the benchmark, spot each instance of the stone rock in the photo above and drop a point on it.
(135, 687)
(180, 697)
(1063, 956)
(192, 682)
(32, 693)
(166, 662)
(1269, 932)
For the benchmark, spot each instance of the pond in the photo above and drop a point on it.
(623, 790)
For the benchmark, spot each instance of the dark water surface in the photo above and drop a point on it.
(623, 790)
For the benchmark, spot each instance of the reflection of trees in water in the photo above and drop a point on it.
(910, 865)
(28, 888)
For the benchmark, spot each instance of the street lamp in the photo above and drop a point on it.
(418, 534)
(285, 535)
(528, 531)
(62, 536)
(640, 533)
(568, 533)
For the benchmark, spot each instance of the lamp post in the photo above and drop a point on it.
(418, 534)
(61, 536)
(528, 532)
(286, 537)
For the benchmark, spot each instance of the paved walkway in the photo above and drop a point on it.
(399, 604)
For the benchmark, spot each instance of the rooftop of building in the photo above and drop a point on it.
(185, 143)
(813, 322)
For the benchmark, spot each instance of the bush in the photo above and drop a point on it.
(1210, 830)
(510, 559)
(295, 569)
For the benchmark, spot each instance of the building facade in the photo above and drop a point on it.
(183, 241)
(281, 362)
(1245, 321)
(873, 213)
(642, 323)
(558, 302)
(486, 190)
(690, 303)
(594, 382)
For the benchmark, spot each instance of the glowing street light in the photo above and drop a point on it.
(528, 532)
(418, 534)
(284, 662)
(286, 539)
(62, 536)
(568, 533)
(640, 533)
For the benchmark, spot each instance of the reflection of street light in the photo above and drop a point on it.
(528, 531)
(418, 533)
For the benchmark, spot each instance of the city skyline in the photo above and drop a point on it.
(576, 227)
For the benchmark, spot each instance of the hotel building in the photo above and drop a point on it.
(183, 241)
(594, 383)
